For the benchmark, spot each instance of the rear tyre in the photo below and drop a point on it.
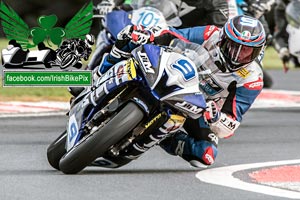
(96, 144)
(56, 150)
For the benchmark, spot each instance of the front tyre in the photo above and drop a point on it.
(56, 150)
(69, 60)
(96, 144)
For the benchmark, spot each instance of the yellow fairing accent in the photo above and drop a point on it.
(131, 69)
(178, 119)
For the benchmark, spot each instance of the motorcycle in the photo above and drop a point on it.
(70, 56)
(14, 57)
(118, 117)
(156, 13)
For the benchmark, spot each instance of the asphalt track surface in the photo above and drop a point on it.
(265, 135)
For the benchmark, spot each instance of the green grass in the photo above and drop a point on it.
(34, 94)
(271, 61)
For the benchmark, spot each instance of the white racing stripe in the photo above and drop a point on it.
(223, 176)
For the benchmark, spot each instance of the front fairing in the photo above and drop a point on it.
(74, 124)
(148, 17)
(173, 76)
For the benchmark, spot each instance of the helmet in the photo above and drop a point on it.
(242, 40)
(89, 39)
(292, 13)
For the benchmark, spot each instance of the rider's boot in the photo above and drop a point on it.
(199, 153)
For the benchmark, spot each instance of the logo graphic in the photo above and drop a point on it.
(246, 35)
(73, 42)
(16, 29)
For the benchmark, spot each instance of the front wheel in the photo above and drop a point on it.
(69, 60)
(96, 144)
(56, 150)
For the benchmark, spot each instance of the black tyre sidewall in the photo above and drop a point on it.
(56, 150)
(99, 142)
(69, 60)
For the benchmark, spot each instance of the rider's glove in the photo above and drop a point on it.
(136, 34)
(122, 47)
(212, 113)
(104, 7)
(140, 35)
(221, 124)
(260, 7)
(125, 33)
(284, 54)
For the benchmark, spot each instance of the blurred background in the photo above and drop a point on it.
(30, 10)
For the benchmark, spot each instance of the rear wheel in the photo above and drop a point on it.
(96, 144)
(56, 150)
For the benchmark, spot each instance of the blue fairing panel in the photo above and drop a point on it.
(197, 100)
(153, 53)
(116, 21)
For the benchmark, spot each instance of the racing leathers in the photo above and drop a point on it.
(232, 92)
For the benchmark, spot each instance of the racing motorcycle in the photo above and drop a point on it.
(116, 120)
(160, 13)
(70, 53)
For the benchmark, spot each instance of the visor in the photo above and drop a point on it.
(238, 54)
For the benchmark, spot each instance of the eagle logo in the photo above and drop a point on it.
(16, 29)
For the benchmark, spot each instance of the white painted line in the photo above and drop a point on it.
(223, 176)
(45, 114)
(41, 104)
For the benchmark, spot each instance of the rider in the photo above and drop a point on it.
(212, 12)
(293, 28)
(234, 81)
(257, 9)
(114, 17)
(280, 33)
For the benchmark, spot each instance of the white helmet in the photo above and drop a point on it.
(89, 39)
